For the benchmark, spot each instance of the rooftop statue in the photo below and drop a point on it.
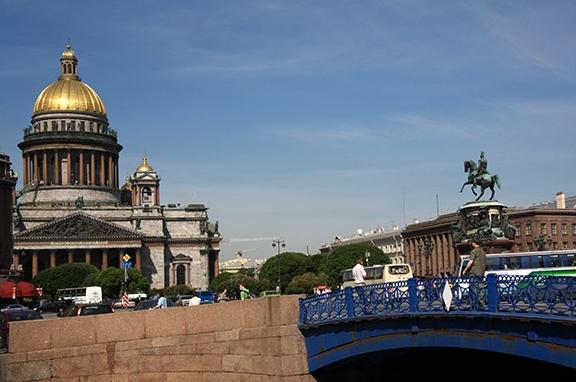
(478, 175)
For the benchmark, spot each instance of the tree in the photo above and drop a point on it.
(70, 275)
(112, 279)
(344, 257)
(284, 267)
(215, 285)
(306, 283)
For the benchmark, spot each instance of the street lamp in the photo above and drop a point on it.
(278, 244)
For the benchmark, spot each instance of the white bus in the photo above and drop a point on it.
(379, 274)
(80, 295)
(543, 263)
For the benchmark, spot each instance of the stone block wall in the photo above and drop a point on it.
(253, 340)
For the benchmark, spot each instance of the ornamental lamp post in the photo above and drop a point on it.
(278, 244)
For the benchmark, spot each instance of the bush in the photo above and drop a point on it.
(305, 284)
(112, 281)
(216, 284)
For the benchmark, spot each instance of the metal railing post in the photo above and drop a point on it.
(349, 302)
(492, 281)
(412, 295)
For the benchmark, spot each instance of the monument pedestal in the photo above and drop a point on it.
(487, 222)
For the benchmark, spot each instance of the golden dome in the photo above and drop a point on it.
(144, 166)
(69, 93)
(68, 54)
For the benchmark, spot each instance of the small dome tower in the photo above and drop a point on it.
(145, 186)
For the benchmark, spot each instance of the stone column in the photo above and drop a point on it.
(25, 169)
(56, 167)
(102, 172)
(104, 259)
(45, 167)
(52, 258)
(69, 165)
(92, 169)
(138, 259)
(87, 257)
(120, 259)
(110, 172)
(81, 165)
(70, 255)
(116, 172)
(35, 165)
(34, 263)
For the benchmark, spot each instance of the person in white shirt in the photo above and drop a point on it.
(359, 273)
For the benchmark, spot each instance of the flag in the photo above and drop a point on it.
(125, 300)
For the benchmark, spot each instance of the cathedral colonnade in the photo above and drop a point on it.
(36, 260)
(442, 259)
(66, 166)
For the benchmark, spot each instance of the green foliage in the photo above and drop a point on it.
(304, 284)
(247, 271)
(69, 275)
(285, 266)
(344, 257)
(232, 285)
(111, 280)
(215, 285)
(317, 261)
(174, 291)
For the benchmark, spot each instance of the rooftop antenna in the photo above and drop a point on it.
(404, 204)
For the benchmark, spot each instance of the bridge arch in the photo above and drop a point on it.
(545, 340)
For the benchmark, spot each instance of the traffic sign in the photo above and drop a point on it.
(127, 264)
(126, 257)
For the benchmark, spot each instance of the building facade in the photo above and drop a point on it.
(72, 209)
(8, 180)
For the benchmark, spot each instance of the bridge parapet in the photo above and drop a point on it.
(543, 296)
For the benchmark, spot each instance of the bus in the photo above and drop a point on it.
(542, 263)
(379, 274)
(80, 295)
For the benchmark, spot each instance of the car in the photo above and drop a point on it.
(86, 310)
(11, 315)
(206, 297)
(183, 299)
(14, 306)
(51, 306)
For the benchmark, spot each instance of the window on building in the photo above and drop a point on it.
(554, 228)
(543, 229)
(565, 245)
(564, 229)
(180, 274)
(573, 229)
(146, 195)
(528, 229)
(518, 230)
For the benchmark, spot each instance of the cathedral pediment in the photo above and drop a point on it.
(78, 226)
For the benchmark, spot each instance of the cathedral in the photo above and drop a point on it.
(72, 207)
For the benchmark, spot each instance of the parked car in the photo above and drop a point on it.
(206, 297)
(11, 315)
(13, 306)
(44, 306)
(183, 299)
(86, 310)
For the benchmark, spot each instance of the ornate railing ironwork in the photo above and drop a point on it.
(502, 294)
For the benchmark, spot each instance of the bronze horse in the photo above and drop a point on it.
(483, 180)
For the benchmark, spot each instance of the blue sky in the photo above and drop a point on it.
(310, 119)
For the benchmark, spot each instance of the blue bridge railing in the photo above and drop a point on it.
(505, 294)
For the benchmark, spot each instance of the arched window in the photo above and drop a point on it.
(181, 274)
(146, 195)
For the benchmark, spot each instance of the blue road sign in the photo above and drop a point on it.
(127, 264)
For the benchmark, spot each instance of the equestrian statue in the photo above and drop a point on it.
(478, 176)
